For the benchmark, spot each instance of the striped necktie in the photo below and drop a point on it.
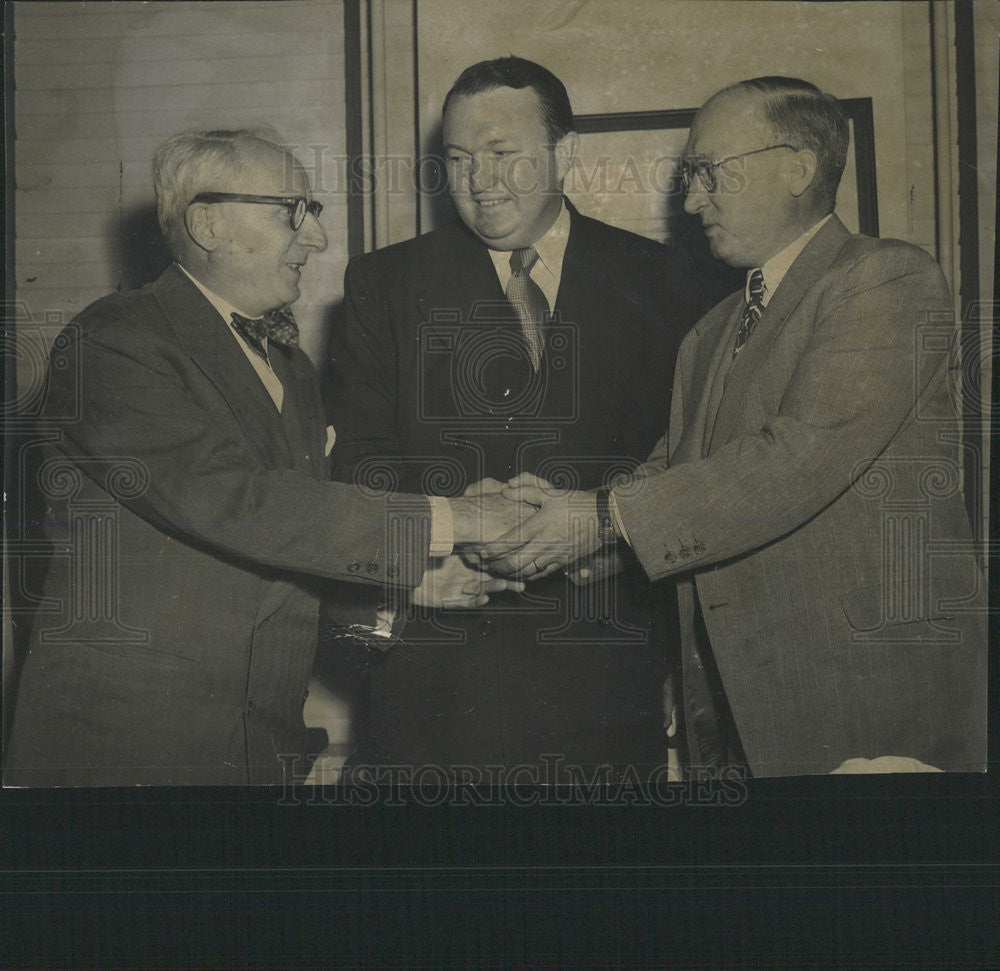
(752, 311)
(528, 301)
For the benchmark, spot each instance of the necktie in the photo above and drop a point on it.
(752, 311)
(528, 301)
(276, 325)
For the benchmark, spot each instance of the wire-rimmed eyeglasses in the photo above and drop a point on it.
(705, 170)
(297, 206)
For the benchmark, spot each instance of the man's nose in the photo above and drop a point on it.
(311, 233)
(695, 197)
(482, 174)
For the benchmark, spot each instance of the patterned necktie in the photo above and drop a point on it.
(752, 311)
(276, 325)
(527, 299)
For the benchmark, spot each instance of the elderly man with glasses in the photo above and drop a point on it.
(807, 495)
(187, 504)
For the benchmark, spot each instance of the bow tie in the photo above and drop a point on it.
(276, 325)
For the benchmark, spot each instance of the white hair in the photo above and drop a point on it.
(199, 161)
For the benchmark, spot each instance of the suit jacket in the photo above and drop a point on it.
(189, 518)
(431, 387)
(811, 501)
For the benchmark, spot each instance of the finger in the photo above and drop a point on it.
(484, 487)
(454, 603)
(486, 583)
(527, 479)
(550, 569)
(516, 565)
(526, 493)
(514, 539)
(504, 568)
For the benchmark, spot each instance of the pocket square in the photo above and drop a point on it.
(331, 437)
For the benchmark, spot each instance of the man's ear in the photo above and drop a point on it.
(201, 222)
(800, 171)
(565, 151)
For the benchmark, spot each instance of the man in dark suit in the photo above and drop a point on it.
(807, 495)
(189, 512)
(523, 337)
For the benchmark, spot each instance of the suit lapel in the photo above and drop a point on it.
(698, 380)
(807, 269)
(465, 273)
(583, 286)
(204, 336)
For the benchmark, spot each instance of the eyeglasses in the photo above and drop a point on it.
(705, 170)
(297, 206)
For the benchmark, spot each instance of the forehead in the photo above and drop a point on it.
(727, 125)
(494, 114)
(269, 170)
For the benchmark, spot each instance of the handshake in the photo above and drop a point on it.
(507, 533)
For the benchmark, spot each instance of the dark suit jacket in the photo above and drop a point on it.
(431, 387)
(812, 503)
(189, 520)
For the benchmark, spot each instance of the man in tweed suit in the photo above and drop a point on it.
(807, 494)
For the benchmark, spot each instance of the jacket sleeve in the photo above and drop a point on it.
(852, 389)
(198, 477)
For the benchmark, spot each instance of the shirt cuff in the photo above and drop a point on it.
(617, 517)
(442, 527)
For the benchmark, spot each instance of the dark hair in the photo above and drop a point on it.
(516, 72)
(802, 115)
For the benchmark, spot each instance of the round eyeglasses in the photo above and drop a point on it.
(705, 170)
(297, 206)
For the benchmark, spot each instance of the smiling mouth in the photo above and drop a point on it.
(490, 203)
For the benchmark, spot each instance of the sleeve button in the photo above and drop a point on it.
(353, 566)
(372, 567)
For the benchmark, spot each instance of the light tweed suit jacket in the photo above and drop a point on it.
(811, 500)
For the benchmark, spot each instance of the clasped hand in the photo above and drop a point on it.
(555, 527)
(506, 533)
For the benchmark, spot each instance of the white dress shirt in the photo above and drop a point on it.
(547, 271)
(260, 364)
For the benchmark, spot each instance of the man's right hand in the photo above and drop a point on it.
(484, 517)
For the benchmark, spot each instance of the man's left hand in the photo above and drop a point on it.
(565, 528)
(451, 582)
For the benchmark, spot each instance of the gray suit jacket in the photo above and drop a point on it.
(812, 502)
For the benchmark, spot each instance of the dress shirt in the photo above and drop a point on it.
(547, 271)
(260, 364)
(777, 266)
(774, 271)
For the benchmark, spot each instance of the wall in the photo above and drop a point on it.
(640, 55)
(100, 85)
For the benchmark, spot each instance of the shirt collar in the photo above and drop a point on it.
(551, 249)
(777, 266)
(223, 306)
